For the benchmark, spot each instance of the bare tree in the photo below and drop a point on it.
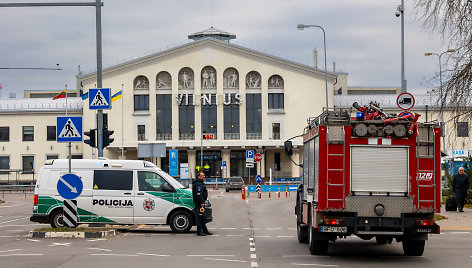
(453, 19)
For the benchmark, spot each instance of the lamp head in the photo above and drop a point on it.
(428, 54)
(301, 26)
(451, 50)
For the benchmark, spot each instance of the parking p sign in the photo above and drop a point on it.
(250, 156)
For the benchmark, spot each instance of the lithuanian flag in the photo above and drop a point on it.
(60, 95)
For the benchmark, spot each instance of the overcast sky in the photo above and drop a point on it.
(362, 36)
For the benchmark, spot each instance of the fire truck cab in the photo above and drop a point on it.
(370, 178)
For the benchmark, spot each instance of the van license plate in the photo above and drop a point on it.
(333, 229)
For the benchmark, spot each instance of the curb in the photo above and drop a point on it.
(100, 234)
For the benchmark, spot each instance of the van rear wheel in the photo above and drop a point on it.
(180, 222)
(57, 219)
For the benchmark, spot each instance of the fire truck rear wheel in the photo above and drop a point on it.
(317, 247)
(413, 247)
(302, 233)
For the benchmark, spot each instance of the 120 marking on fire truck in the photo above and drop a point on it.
(424, 176)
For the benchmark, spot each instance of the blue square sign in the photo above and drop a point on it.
(69, 128)
(99, 98)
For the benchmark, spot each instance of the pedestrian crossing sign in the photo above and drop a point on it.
(69, 128)
(99, 98)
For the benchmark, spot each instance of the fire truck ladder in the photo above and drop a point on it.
(328, 155)
(421, 144)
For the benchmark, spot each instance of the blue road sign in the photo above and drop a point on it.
(174, 162)
(250, 156)
(69, 128)
(258, 179)
(69, 186)
(99, 98)
(223, 163)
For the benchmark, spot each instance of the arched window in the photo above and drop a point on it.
(186, 78)
(231, 79)
(253, 80)
(141, 82)
(163, 80)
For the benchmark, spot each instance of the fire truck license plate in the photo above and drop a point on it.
(333, 229)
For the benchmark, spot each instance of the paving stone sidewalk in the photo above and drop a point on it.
(456, 220)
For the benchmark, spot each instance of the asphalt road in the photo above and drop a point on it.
(253, 233)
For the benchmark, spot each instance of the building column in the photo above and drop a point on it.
(158, 161)
(295, 168)
(226, 156)
(261, 164)
(192, 160)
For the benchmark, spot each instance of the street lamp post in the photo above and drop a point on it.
(302, 27)
(441, 91)
(400, 11)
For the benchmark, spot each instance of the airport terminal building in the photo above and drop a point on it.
(240, 98)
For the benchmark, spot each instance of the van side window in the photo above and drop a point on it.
(113, 180)
(150, 181)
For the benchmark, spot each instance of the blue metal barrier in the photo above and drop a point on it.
(273, 188)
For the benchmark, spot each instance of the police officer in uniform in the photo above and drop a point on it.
(200, 195)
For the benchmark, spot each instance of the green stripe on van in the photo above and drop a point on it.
(46, 204)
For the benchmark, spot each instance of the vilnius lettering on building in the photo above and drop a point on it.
(206, 99)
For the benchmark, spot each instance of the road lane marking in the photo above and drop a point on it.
(213, 259)
(253, 256)
(294, 229)
(263, 236)
(228, 228)
(9, 236)
(14, 220)
(276, 228)
(111, 254)
(460, 232)
(99, 239)
(300, 256)
(12, 206)
(234, 235)
(34, 240)
(252, 249)
(285, 236)
(252, 244)
(150, 254)
(211, 255)
(251, 238)
(102, 249)
(60, 244)
(23, 255)
(315, 264)
(9, 250)
(254, 264)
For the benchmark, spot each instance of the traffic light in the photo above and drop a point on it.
(106, 137)
(93, 138)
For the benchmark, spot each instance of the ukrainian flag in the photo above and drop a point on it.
(117, 96)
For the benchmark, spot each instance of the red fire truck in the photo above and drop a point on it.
(370, 178)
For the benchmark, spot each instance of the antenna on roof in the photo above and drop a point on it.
(212, 5)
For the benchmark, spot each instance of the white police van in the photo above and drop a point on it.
(116, 192)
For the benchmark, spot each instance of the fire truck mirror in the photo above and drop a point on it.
(288, 148)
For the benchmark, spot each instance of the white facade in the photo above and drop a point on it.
(303, 89)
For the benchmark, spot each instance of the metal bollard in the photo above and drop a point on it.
(286, 192)
(243, 193)
(269, 192)
(279, 193)
(260, 195)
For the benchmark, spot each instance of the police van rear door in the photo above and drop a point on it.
(154, 198)
(113, 196)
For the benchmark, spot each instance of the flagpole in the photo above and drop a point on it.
(122, 114)
(70, 143)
